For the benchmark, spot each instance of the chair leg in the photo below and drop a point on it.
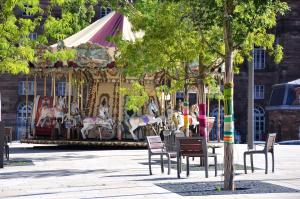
(252, 167)
(266, 159)
(206, 166)
(7, 152)
(245, 167)
(178, 166)
(187, 166)
(162, 163)
(149, 159)
(169, 164)
(216, 163)
(273, 162)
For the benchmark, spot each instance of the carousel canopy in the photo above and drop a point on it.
(99, 31)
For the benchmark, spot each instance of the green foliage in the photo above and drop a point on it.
(251, 23)
(215, 92)
(75, 15)
(17, 49)
(169, 40)
(137, 96)
(64, 54)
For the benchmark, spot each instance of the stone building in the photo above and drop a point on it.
(266, 74)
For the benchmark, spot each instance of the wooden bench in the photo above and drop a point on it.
(193, 147)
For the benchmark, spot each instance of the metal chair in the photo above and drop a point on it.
(193, 147)
(157, 147)
(269, 148)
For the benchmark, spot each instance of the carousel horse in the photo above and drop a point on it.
(144, 120)
(57, 112)
(178, 119)
(103, 120)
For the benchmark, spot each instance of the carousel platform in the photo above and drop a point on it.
(100, 143)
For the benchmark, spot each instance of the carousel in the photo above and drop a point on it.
(91, 110)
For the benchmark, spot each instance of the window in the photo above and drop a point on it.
(23, 119)
(104, 11)
(259, 123)
(61, 88)
(33, 35)
(22, 88)
(26, 13)
(214, 131)
(259, 91)
(259, 56)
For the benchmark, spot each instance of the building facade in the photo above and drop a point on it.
(266, 74)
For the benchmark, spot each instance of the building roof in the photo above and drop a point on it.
(284, 96)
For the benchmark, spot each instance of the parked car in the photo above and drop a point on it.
(290, 142)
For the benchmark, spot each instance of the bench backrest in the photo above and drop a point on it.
(170, 139)
(270, 142)
(191, 145)
(154, 142)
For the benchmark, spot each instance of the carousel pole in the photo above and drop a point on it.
(120, 118)
(54, 89)
(186, 101)
(34, 89)
(81, 91)
(69, 101)
(26, 103)
(45, 82)
(51, 93)
(97, 102)
(78, 89)
(34, 102)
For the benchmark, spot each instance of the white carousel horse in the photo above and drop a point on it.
(178, 119)
(56, 112)
(102, 121)
(144, 120)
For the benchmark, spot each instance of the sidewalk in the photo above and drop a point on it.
(51, 172)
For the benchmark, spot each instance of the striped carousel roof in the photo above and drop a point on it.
(99, 31)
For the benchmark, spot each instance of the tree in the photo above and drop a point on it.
(171, 43)
(229, 30)
(168, 45)
(17, 49)
(244, 24)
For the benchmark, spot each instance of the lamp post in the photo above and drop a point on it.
(250, 133)
(1, 138)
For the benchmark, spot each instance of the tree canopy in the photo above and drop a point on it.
(17, 49)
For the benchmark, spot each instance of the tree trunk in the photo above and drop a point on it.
(228, 98)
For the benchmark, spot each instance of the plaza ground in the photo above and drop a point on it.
(55, 172)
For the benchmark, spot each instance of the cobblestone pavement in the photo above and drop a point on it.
(52, 172)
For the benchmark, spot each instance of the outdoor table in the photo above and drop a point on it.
(214, 145)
